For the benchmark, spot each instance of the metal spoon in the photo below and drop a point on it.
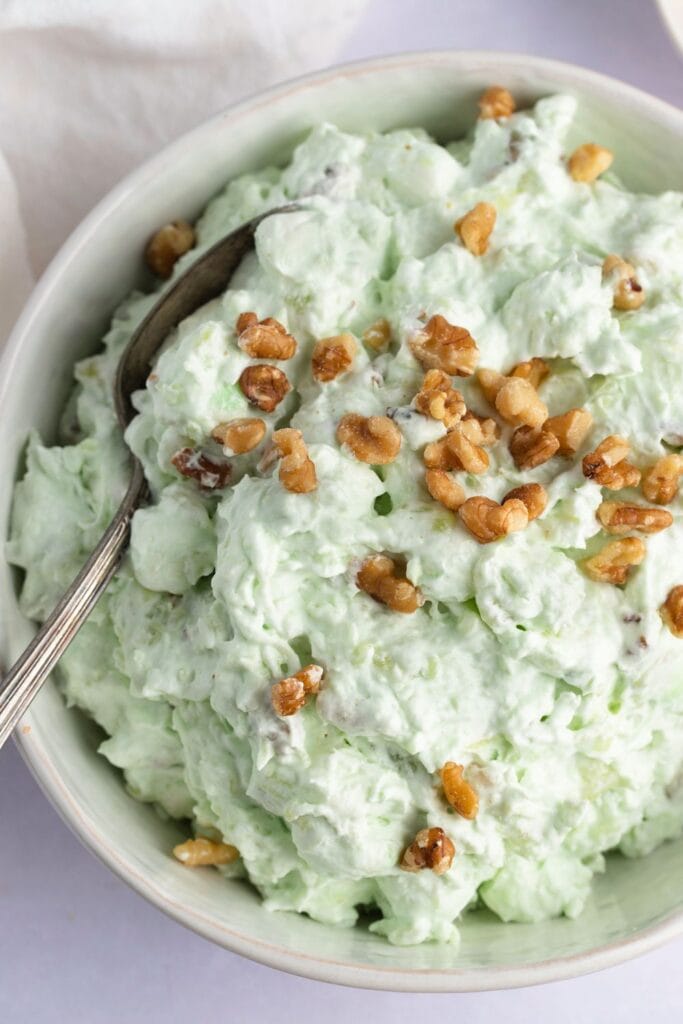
(207, 278)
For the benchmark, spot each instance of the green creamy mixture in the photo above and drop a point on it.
(562, 697)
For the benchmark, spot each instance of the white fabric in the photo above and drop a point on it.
(89, 88)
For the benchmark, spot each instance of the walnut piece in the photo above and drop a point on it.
(488, 521)
(264, 386)
(203, 852)
(570, 428)
(460, 795)
(628, 292)
(166, 247)
(496, 102)
(672, 611)
(439, 399)
(457, 451)
(480, 430)
(613, 562)
(333, 356)
(534, 496)
(534, 370)
(240, 435)
(490, 382)
(264, 339)
(475, 228)
(518, 403)
(441, 345)
(297, 470)
(289, 695)
(431, 848)
(531, 447)
(379, 577)
(621, 517)
(660, 481)
(378, 335)
(444, 489)
(608, 466)
(372, 439)
(210, 474)
(589, 161)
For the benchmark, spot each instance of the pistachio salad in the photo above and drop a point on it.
(400, 629)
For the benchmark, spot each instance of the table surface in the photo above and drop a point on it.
(78, 945)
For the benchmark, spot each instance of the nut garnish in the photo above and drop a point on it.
(460, 795)
(439, 399)
(210, 474)
(496, 102)
(240, 435)
(166, 247)
(297, 470)
(607, 465)
(372, 439)
(444, 489)
(456, 451)
(480, 429)
(264, 386)
(534, 496)
(441, 345)
(289, 695)
(532, 447)
(612, 563)
(534, 370)
(621, 517)
(628, 292)
(264, 339)
(333, 356)
(589, 161)
(570, 428)
(518, 403)
(378, 335)
(431, 848)
(660, 481)
(475, 228)
(488, 521)
(378, 577)
(203, 852)
(672, 611)
(490, 382)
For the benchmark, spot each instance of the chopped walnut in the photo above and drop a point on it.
(571, 429)
(441, 345)
(203, 852)
(607, 465)
(378, 335)
(439, 399)
(297, 470)
(518, 403)
(534, 496)
(210, 474)
(490, 382)
(333, 356)
(620, 517)
(372, 439)
(456, 451)
(431, 848)
(166, 247)
(264, 339)
(239, 436)
(589, 161)
(531, 447)
(289, 695)
(628, 292)
(460, 795)
(378, 577)
(475, 228)
(480, 429)
(444, 489)
(672, 612)
(612, 563)
(534, 370)
(660, 481)
(488, 521)
(496, 102)
(264, 386)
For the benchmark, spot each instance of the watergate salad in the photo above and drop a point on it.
(400, 630)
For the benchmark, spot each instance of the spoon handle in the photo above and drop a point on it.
(21, 684)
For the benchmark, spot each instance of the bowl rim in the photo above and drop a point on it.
(44, 770)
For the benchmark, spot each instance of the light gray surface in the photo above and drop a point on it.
(75, 944)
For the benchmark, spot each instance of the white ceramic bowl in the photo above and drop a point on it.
(636, 905)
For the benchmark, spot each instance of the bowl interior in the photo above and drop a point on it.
(635, 904)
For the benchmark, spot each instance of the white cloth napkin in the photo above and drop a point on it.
(89, 88)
